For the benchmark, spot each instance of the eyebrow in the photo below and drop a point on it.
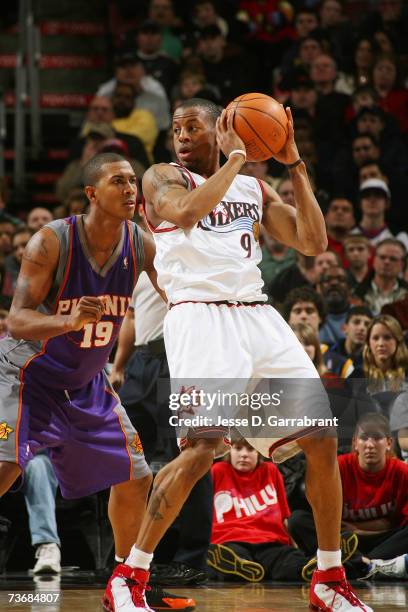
(123, 175)
(186, 116)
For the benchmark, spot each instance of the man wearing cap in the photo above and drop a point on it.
(384, 285)
(157, 64)
(375, 198)
(231, 76)
(303, 95)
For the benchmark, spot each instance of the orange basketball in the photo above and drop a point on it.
(261, 122)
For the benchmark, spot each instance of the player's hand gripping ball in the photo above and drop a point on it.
(261, 122)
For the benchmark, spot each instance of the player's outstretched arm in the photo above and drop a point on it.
(167, 191)
(303, 227)
(37, 272)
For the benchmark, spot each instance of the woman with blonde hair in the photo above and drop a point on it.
(385, 355)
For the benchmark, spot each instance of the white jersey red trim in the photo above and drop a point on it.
(218, 258)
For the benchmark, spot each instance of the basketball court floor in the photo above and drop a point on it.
(79, 591)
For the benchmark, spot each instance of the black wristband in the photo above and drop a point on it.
(296, 163)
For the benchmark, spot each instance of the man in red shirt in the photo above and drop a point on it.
(375, 503)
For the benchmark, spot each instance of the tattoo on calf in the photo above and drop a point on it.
(157, 496)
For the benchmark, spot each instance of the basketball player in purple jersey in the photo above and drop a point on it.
(205, 220)
(73, 290)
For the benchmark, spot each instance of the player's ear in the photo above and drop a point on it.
(90, 192)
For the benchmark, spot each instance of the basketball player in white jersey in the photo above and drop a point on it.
(205, 220)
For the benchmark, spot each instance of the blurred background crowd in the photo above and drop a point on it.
(112, 72)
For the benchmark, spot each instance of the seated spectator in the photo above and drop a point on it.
(331, 104)
(72, 175)
(157, 64)
(399, 423)
(344, 178)
(385, 357)
(374, 200)
(361, 64)
(371, 169)
(249, 540)
(76, 203)
(39, 488)
(375, 505)
(335, 290)
(384, 285)
(356, 326)
(162, 12)
(357, 252)
(301, 273)
(336, 28)
(230, 78)
(189, 84)
(275, 255)
(385, 365)
(148, 93)
(340, 220)
(7, 229)
(38, 217)
(304, 305)
(12, 263)
(306, 21)
(302, 93)
(363, 96)
(392, 98)
(205, 14)
(99, 117)
(309, 339)
(137, 122)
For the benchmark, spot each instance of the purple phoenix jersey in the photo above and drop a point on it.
(71, 360)
(55, 395)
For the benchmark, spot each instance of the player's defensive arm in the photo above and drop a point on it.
(303, 227)
(37, 272)
(126, 345)
(166, 189)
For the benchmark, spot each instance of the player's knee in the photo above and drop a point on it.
(323, 449)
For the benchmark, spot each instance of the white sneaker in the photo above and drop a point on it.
(49, 559)
(395, 568)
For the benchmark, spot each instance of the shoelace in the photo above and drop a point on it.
(134, 584)
(343, 588)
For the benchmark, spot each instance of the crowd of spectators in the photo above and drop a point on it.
(345, 78)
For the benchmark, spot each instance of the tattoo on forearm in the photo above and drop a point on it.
(158, 495)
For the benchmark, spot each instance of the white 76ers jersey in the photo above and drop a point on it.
(218, 258)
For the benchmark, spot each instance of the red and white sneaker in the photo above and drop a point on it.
(125, 591)
(330, 592)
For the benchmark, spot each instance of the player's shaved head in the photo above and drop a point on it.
(210, 108)
(93, 169)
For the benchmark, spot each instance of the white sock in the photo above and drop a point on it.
(328, 558)
(138, 558)
(119, 559)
